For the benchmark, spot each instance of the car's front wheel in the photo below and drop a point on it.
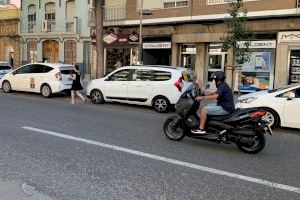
(6, 86)
(161, 104)
(97, 96)
(46, 91)
(271, 117)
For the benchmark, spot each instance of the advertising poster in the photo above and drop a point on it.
(256, 72)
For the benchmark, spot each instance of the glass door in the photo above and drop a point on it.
(216, 62)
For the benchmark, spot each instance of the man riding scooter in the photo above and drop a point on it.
(224, 97)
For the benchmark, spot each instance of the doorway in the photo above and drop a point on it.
(50, 51)
(216, 62)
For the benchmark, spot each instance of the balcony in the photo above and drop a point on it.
(216, 2)
(31, 27)
(114, 14)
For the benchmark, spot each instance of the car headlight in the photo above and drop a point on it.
(247, 100)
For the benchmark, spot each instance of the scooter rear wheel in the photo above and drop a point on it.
(257, 145)
(173, 128)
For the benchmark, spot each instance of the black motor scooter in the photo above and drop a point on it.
(245, 127)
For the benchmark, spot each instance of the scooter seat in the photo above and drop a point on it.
(219, 117)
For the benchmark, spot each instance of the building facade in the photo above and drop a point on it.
(9, 35)
(57, 30)
(4, 2)
(188, 33)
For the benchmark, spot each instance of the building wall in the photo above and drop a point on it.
(79, 34)
(9, 37)
(200, 7)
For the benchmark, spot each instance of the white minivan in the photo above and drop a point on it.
(157, 86)
(4, 68)
(44, 78)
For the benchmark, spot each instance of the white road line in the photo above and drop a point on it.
(172, 161)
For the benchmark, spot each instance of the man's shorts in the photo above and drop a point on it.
(215, 110)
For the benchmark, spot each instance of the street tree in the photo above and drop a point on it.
(236, 32)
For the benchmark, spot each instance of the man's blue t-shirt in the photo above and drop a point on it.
(225, 99)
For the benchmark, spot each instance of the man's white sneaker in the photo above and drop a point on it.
(198, 131)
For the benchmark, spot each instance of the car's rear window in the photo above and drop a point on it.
(4, 67)
(161, 75)
(66, 71)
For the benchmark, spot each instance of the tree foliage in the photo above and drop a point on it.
(237, 32)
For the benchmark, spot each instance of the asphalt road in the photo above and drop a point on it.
(51, 149)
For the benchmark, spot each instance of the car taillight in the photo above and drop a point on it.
(179, 84)
(58, 76)
(257, 115)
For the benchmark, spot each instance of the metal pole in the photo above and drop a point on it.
(99, 39)
(141, 32)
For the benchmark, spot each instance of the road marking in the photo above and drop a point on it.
(169, 160)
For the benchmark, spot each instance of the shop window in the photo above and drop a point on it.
(70, 52)
(31, 18)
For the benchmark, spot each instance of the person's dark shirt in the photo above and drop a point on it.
(225, 99)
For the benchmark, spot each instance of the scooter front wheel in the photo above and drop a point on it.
(173, 128)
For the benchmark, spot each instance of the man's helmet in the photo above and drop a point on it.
(218, 76)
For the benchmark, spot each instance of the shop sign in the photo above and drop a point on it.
(133, 38)
(289, 37)
(157, 45)
(110, 38)
(268, 44)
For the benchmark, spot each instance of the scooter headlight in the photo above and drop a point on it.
(247, 100)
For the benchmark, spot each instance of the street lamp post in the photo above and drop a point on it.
(141, 32)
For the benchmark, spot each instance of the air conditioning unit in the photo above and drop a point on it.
(44, 25)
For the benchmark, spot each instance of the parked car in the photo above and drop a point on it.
(157, 86)
(4, 68)
(282, 105)
(44, 78)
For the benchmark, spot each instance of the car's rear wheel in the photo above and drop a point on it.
(6, 86)
(97, 97)
(46, 91)
(271, 117)
(161, 104)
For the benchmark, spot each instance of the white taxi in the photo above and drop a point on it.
(282, 105)
(44, 78)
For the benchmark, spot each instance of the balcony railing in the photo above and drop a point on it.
(70, 26)
(31, 27)
(215, 2)
(50, 25)
(115, 13)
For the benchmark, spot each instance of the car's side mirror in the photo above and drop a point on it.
(14, 73)
(291, 96)
(108, 78)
